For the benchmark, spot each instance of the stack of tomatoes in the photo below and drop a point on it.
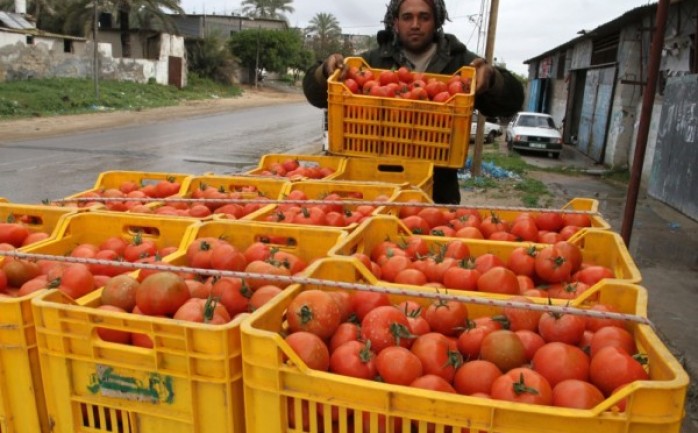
(555, 271)
(291, 168)
(543, 227)
(16, 232)
(134, 192)
(208, 208)
(331, 214)
(196, 298)
(517, 355)
(22, 277)
(405, 84)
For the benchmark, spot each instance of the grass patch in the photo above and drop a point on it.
(534, 191)
(480, 182)
(621, 176)
(59, 96)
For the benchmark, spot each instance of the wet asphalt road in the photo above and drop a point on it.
(31, 171)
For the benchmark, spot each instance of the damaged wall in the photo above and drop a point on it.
(24, 57)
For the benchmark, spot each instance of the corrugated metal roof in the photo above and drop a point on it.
(14, 21)
(40, 33)
(602, 30)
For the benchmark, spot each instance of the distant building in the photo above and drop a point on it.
(199, 26)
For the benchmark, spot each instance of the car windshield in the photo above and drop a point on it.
(536, 122)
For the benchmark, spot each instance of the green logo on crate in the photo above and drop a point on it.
(108, 383)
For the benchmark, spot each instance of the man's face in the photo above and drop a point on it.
(415, 25)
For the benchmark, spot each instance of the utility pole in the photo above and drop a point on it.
(95, 50)
(489, 54)
(645, 118)
(256, 64)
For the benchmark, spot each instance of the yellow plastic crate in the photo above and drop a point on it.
(189, 381)
(275, 389)
(22, 402)
(404, 172)
(600, 247)
(361, 125)
(318, 189)
(309, 243)
(113, 179)
(335, 163)
(36, 218)
(576, 204)
(198, 365)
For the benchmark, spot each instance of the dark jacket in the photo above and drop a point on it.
(504, 97)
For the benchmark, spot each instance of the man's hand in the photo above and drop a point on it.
(484, 73)
(332, 63)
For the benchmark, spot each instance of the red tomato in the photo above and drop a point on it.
(571, 252)
(262, 267)
(525, 229)
(226, 257)
(433, 382)
(470, 340)
(612, 367)
(345, 332)
(161, 294)
(398, 365)
(564, 328)
(362, 302)
(567, 290)
(520, 318)
(13, 233)
(139, 248)
(207, 311)
(552, 266)
(504, 349)
(310, 349)
(612, 336)
(393, 265)
(579, 220)
(386, 326)
(19, 272)
(487, 261)
(437, 357)
(110, 334)
(354, 359)
(313, 311)
(591, 275)
(559, 361)
(594, 324)
(522, 261)
(550, 221)
(493, 224)
(35, 237)
(120, 291)
(412, 277)
(522, 385)
(263, 295)
(576, 394)
(498, 280)
(76, 280)
(461, 278)
(234, 295)
(531, 342)
(446, 317)
(476, 376)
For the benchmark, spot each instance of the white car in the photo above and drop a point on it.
(534, 132)
(492, 130)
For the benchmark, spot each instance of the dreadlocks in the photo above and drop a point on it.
(437, 6)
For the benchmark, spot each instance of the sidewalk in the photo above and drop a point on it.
(664, 245)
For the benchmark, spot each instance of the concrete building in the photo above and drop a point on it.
(593, 84)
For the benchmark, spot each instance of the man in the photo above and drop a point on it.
(414, 37)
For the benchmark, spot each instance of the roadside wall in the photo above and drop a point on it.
(24, 57)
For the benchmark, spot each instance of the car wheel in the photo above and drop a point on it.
(490, 138)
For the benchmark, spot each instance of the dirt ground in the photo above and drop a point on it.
(39, 127)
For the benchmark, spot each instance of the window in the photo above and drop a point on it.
(30, 40)
(605, 49)
(67, 46)
(561, 66)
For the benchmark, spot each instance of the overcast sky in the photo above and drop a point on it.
(525, 28)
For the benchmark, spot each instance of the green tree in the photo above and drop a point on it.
(270, 9)
(210, 58)
(277, 50)
(325, 34)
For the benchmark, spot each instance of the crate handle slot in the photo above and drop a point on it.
(281, 241)
(149, 231)
(391, 168)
